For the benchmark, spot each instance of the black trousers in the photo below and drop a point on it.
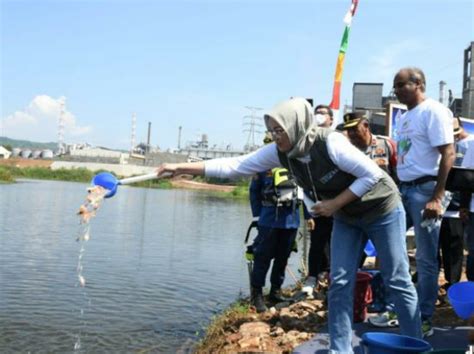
(276, 244)
(318, 259)
(451, 247)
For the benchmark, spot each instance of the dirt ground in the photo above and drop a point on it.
(291, 325)
(189, 184)
(23, 163)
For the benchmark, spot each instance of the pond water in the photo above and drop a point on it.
(159, 264)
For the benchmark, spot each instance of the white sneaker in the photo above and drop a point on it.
(308, 286)
(384, 320)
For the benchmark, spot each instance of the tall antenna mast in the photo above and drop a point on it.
(134, 129)
(62, 104)
(251, 122)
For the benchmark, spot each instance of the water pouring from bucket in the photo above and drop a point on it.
(103, 185)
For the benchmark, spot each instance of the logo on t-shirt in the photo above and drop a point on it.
(404, 142)
(404, 145)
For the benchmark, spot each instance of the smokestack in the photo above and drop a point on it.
(442, 85)
(179, 137)
(134, 128)
(148, 139)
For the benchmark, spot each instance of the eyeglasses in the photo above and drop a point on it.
(401, 84)
(321, 112)
(278, 131)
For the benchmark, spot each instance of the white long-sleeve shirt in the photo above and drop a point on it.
(341, 152)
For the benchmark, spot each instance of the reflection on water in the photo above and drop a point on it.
(159, 264)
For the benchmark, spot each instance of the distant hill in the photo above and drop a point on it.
(27, 144)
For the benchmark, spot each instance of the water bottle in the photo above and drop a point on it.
(430, 224)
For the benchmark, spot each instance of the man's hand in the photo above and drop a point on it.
(433, 209)
(310, 224)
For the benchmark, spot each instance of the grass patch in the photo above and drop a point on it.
(74, 175)
(229, 321)
(155, 183)
(5, 175)
(241, 191)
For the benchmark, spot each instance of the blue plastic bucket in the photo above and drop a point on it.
(389, 343)
(461, 297)
(107, 181)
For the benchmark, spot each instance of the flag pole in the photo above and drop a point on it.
(336, 91)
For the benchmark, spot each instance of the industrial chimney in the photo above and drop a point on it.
(442, 94)
(148, 139)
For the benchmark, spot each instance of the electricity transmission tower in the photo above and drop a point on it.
(61, 126)
(251, 124)
(133, 135)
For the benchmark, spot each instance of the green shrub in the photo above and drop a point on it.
(5, 175)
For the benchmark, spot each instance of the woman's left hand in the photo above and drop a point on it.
(326, 207)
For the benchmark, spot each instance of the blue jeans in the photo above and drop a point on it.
(414, 200)
(276, 244)
(348, 240)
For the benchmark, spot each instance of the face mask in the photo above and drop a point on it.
(319, 119)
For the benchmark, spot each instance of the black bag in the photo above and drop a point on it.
(460, 179)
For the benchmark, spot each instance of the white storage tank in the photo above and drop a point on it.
(25, 153)
(36, 154)
(16, 152)
(47, 154)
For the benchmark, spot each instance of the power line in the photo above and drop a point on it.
(252, 122)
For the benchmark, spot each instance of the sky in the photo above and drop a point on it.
(199, 64)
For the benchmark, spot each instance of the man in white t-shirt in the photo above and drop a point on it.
(425, 156)
(466, 212)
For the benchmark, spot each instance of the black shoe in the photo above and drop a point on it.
(256, 300)
(275, 295)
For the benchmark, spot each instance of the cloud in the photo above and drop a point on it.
(39, 121)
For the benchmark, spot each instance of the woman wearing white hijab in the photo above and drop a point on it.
(362, 198)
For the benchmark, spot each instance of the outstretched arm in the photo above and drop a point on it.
(260, 160)
(187, 168)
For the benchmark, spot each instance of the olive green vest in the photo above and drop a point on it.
(328, 181)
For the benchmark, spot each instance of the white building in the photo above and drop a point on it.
(95, 152)
(4, 153)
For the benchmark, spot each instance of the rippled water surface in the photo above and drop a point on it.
(158, 265)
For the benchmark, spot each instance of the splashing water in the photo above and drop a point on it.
(95, 196)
